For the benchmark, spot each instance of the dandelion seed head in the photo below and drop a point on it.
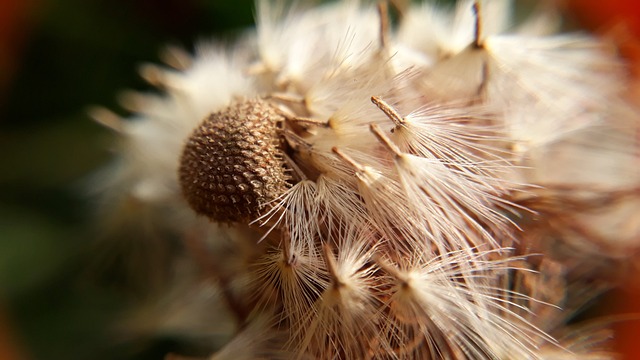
(394, 173)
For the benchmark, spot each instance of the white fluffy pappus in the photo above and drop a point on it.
(424, 159)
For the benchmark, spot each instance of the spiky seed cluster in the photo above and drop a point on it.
(396, 242)
(232, 163)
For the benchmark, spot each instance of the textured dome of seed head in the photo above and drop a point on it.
(232, 164)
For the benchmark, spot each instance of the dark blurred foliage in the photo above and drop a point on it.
(58, 57)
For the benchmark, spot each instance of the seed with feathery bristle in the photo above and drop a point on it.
(232, 165)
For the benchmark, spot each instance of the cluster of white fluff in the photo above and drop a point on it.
(428, 158)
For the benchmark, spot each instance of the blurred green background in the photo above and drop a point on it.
(56, 58)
